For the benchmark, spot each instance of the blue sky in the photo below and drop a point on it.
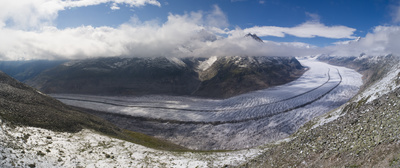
(362, 15)
(53, 29)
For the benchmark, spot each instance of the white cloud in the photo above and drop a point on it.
(181, 35)
(35, 13)
(313, 16)
(115, 6)
(396, 13)
(132, 3)
(383, 40)
(217, 18)
(306, 30)
(191, 34)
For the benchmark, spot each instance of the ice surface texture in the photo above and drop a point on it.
(266, 115)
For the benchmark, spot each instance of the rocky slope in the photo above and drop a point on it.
(21, 105)
(213, 77)
(362, 133)
(39, 131)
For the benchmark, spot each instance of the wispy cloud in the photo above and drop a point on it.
(217, 18)
(396, 13)
(306, 30)
(313, 17)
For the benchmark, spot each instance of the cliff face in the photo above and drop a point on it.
(222, 77)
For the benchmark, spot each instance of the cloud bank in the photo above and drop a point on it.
(196, 34)
(305, 30)
(28, 33)
(381, 41)
(182, 35)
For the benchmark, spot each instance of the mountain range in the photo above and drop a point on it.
(214, 77)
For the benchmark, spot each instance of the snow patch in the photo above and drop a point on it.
(207, 63)
(176, 61)
(384, 86)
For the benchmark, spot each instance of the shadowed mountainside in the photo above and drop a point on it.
(223, 77)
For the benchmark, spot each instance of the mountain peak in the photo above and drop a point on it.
(255, 37)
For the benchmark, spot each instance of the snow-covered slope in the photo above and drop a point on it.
(207, 63)
(35, 147)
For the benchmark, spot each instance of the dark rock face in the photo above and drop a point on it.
(227, 76)
(118, 76)
(255, 37)
(230, 76)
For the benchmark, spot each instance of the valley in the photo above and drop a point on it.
(352, 127)
(183, 120)
(199, 84)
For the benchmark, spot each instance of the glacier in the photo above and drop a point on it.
(243, 121)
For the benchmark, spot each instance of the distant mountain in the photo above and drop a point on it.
(255, 37)
(372, 67)
(119, 76)
(217, 77)
(24, 70)
(229, 76)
